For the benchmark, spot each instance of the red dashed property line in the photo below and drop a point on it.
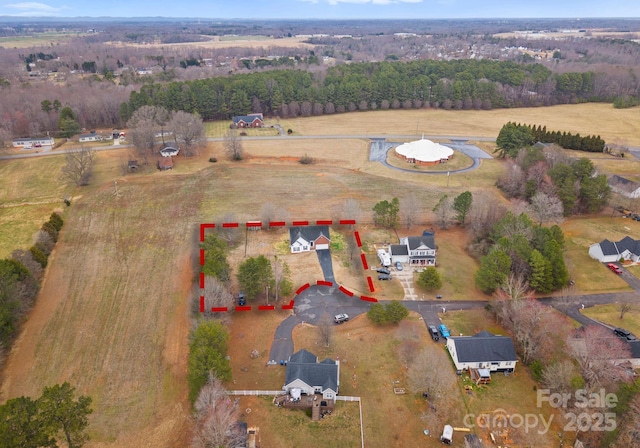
(368, 299)
(267, 307)
(371, 288)
(204, 227)
(221, 309)
(365, 265)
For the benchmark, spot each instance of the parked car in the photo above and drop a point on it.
(384, 277)
(625, 334)
(444, 331)
(383, 271)
(241, 300)
(434, 333)
(398, 266)
(615, 268)
(339, 318)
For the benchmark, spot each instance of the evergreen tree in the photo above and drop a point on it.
(540, 279)
(430, 279)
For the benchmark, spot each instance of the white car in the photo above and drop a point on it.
(339, 318)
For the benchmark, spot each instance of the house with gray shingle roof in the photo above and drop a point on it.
(308, 238)
(416, 250)
(310, 377)
(483, 351)
(609, 252)
(248, 121)
(625, 187)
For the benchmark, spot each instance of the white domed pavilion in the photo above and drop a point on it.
(424, 152)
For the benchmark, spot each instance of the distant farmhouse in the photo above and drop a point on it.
(415, 250)
(248, 121)
(609, 252)
(91, 137)
(28, 143)
(482, 351)
(169, 151)
(308, 238)
(625, 187)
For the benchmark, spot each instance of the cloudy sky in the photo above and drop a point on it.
(325, 9)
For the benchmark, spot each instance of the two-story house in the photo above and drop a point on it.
(415, 250)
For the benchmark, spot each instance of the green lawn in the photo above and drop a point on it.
(610, 314)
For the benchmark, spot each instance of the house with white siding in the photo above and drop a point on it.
(612, 251)
(483, 351)
(306, 375)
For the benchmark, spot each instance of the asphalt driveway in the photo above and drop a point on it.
(324, 257)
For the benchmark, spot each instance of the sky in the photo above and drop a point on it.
(324, 9)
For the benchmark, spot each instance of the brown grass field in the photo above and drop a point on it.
(217, 42)
(112, 317)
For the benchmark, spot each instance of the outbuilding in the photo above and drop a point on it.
(424, 152)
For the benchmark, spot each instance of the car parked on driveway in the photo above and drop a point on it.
(444, 331)
(339, 318)
(384, 277)
(434, 333)
(383, 271)
(241, 300)
(398, 266)
(625, 334)
(615, 268)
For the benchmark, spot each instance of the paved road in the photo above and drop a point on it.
(282, 136)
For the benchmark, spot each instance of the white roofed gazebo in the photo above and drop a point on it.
(424, 152)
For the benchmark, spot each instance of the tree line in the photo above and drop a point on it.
(514, 136)
(20, 277)
(457, 84)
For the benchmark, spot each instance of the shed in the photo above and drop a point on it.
(165, 163)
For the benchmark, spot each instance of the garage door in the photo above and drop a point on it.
(322, 246)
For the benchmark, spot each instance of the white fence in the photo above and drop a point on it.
(256, 392)
(346, 398)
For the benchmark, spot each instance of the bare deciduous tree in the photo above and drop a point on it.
(629, 432)
(558, 376)
(216, 295)
(78, 166)
(233, 145)
(444, 211)
(270, 212)
(325, 329)
(410, 206)
(188, 131)
(546, 208)
(594, 348)
(143, 125)
(230, 234)
(216, 419)
(430, 371)
(624, 308)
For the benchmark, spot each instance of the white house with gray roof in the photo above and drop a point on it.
(611, 251)
(482, 351)
(309, 376)
(625, 187)
(415, 250)
(308, 238)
